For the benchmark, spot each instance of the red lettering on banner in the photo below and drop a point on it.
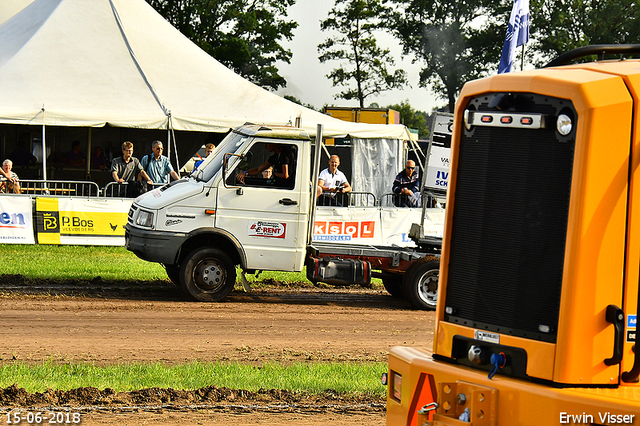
(351, 228)
(335, 227)
(367, 229)
(320, 228)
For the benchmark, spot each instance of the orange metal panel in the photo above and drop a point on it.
(519, 402)
(597, 214)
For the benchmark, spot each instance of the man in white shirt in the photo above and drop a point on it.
(332, 181)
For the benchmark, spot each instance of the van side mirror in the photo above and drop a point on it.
(244, 164)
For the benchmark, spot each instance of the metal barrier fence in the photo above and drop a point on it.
(125, 189)
(67, 188)
(58, 188)
(400, 200)
(361, 199)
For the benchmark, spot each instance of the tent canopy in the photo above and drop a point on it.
(88, 63)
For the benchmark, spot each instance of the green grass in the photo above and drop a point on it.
(76, 262)
(88, 262)
(109, 263)
(360, 378)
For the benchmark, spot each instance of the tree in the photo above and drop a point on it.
(456, 40)
(412, 118)
(355, 21)
(563, 25)
(244, 35)
(299, 102)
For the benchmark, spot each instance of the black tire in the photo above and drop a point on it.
(420, 283)
(393, 285)
(173, 272)
(207, 275)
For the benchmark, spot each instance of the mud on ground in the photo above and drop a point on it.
(114, 322)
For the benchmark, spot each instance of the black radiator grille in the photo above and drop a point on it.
(510, 224)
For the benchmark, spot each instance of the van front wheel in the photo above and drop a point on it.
(173, 272)
(208, 275)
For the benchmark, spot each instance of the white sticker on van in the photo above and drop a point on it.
(267, 229)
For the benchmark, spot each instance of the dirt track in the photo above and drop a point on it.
(140, 323)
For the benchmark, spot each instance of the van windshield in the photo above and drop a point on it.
(213, 163)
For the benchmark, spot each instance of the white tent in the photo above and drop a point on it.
(11, 7)
(88, 63)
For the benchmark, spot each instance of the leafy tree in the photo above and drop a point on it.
(412, 118)
(299, 102)
(244, 35)
(456, 40)
(355, 21)
(563, 25)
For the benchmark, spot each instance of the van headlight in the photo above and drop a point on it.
(145, 219)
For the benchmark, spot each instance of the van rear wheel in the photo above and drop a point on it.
(420, 283)
(207, 275)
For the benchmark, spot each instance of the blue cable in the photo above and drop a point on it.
(498, 361)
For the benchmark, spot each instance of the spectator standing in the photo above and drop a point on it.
(9, 181)
(407, 186)
(128, 169)
(332, 181)
(208, 149)
(75, 157)
(157, 166)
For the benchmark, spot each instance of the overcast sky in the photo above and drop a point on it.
(306, 76)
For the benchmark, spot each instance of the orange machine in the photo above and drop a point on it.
(540, 263)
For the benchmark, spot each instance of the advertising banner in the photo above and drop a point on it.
(396, 224)
(16, 220)
(438, 168)
(437, 173)
(348, 225)
(81, 221)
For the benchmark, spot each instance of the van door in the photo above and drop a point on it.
(263, 212)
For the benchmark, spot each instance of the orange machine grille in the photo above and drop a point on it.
(510, 220)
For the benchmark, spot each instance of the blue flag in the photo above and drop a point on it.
(517, 34)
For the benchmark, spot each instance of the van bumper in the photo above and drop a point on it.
(154, 246)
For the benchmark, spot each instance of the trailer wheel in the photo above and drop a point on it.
(393, 285)
(173, 272)
(420, 283)
(207, 275)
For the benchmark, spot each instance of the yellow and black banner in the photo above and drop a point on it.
(81, 221)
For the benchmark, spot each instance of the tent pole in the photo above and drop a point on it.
(44, 149)
(89, 148)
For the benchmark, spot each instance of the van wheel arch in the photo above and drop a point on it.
(214, 239)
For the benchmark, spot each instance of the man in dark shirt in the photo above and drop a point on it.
(128, 169)
(407, 186)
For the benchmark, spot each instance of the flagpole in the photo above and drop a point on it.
(522, 59)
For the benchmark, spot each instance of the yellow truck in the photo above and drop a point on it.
(538, 303)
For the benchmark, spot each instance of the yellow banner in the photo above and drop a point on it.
(81, 221)
(48, 220)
